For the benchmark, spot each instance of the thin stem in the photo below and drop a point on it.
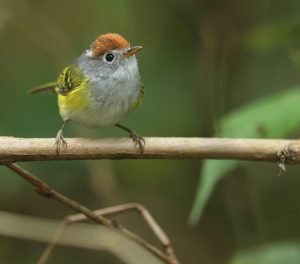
(153, 225)
(48, 192)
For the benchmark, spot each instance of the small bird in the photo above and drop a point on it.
(100, 88)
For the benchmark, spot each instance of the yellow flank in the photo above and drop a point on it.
(72, 88)
(75, 100)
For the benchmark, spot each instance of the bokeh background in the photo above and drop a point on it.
(200, 60)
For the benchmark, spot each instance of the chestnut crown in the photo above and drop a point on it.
(107, 42)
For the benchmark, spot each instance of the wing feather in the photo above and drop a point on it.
(48, 87)
(69, 80)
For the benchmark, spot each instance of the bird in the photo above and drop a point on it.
(100, 88)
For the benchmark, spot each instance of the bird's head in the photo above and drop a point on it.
(112, 50)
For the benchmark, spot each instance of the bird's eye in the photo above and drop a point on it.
(109, 57)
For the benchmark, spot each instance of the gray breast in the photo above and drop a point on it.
(114, 87)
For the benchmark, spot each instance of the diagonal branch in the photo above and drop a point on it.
(40, 149)
(48, 192)
(153, 225)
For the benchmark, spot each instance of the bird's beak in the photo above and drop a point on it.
(131, 51)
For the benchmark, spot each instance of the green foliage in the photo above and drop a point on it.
(271, 36)
(275, 253)
(272, 116)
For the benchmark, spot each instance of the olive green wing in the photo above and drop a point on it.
(69, 80)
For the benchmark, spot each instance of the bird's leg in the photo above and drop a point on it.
(60, 142)
(137, 139)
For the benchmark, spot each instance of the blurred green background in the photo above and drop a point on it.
(201, 61)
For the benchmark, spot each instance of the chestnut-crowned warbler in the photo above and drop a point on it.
(100, 88)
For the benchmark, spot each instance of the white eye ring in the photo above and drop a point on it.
(109, 57)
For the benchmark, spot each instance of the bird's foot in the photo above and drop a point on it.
(60, 142)
(138, 140)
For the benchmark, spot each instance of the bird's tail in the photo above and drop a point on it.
(48, 87)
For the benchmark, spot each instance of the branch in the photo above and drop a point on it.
(38, 149)
(48, 192)
(119, 209)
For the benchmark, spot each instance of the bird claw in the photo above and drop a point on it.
(138, 140)
(60, 142)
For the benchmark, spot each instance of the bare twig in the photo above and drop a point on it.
(153, 225)
(20, 149)
(156, 229)
(48, 192)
